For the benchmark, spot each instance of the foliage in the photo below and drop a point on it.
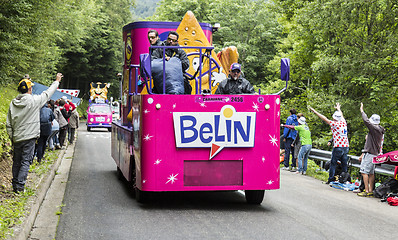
(252, 27)
(82, 109)
(144, 9)
(99, 56)
(7, 94)
(343, 51)
(12, 211)
(80, 38)
(174, 10)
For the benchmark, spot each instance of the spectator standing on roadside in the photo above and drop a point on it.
(23, 127)
(305, 137)
(73, 125)
(61, 115)
(296, 142)
(46, 118)
(288, 137)
(340, 140)
(372, 148)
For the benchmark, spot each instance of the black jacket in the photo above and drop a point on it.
(172, 52)
(151, 50)
(231, 86)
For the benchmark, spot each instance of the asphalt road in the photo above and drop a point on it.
(99, 206)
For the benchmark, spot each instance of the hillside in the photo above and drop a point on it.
(144, 9)
(6, 94)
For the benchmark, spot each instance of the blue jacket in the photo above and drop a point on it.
(291, 120)
(46, 118)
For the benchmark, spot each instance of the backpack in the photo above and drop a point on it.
(338, 169)
(386, 187)
(344, 177)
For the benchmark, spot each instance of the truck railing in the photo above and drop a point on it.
(203, 51)
(324, 156)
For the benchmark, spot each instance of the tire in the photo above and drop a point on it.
(88, 129)
(141, 196)
(109, 129)
(254, 196)
(119, 174)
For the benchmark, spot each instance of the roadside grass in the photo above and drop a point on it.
(12, 211)
(7, 93)
(315, 171)
(13, 206)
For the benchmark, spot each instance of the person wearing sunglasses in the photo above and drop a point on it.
(235, 83)
(172, 40)
(153, 38)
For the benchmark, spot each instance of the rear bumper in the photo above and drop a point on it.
(99, 125)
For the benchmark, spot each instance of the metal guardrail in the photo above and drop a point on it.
(324, 156)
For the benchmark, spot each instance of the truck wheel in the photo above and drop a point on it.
(254, 196)
(141, 196)
(109, 129)
(88, 129)
(119, 174)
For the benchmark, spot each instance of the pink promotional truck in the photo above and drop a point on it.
(193, 142)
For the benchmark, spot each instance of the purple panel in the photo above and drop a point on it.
(285, 69)
(213, 173)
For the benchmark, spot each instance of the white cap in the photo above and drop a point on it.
(302, 120)
(337, 116)
(64, 98)
(374, 119)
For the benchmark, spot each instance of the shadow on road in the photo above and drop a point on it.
(198, 200)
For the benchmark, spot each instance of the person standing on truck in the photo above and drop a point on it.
(172, 40)
(340, 140)
(153, 38)
(23, 127)
(372, 148)
(235, 83)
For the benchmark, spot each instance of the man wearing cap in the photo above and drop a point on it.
(23, 127)
(235, 83)
(340, 140)
(306, 144)
(372, 148)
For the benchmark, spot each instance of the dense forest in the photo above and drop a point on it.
(81, 39)
(144, 9)
(340, 50)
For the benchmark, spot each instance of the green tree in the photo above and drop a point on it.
(98, 55)
(344, 51)
(174, 10)
(252, 27)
